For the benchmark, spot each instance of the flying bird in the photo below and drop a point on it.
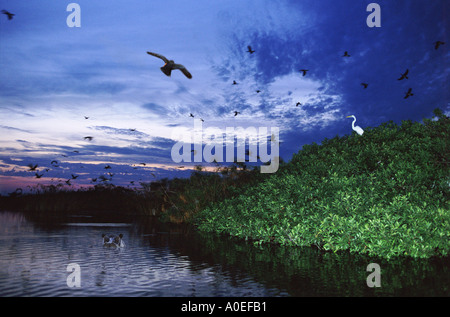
(346, 54)
(298, 104)
(107, 167)
(250, 49)
(356, 128)
(404, 75)
(171, 65)
(258, 91)
(9, 14)
(103, 178)
(365, 85)
(38, 175)
(86, 117)
(236, 113)
(74, 176)
(437, 44)
(408, 93)
(54, 162)
(234, 82)
(32, 167)
(68, 182)
(191, 115)
(89, 138)
(304, 71)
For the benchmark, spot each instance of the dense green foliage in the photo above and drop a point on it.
(384, 194)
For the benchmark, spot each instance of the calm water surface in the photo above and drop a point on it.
(169, 260)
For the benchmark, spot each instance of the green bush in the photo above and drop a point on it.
(384, 193)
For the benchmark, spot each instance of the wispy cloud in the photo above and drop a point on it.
(52, 76)
(14, 129)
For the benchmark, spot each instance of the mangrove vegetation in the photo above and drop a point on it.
(384, 193)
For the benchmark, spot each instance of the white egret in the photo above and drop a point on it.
(357, 128)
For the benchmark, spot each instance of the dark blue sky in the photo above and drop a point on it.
(53, 75)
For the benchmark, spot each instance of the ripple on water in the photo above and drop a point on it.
(33, 262)
(34, 259)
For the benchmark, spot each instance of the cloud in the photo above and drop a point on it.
(14, 129)
(52, 75)
(120, 131)
(155, 108)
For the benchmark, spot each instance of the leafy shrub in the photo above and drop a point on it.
(384, 194)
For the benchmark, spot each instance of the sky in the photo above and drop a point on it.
(53, 76)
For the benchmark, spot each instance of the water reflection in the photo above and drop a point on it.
(172, 260)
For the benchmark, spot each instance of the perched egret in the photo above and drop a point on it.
(357, 128)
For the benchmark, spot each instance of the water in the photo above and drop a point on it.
(170, 260)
